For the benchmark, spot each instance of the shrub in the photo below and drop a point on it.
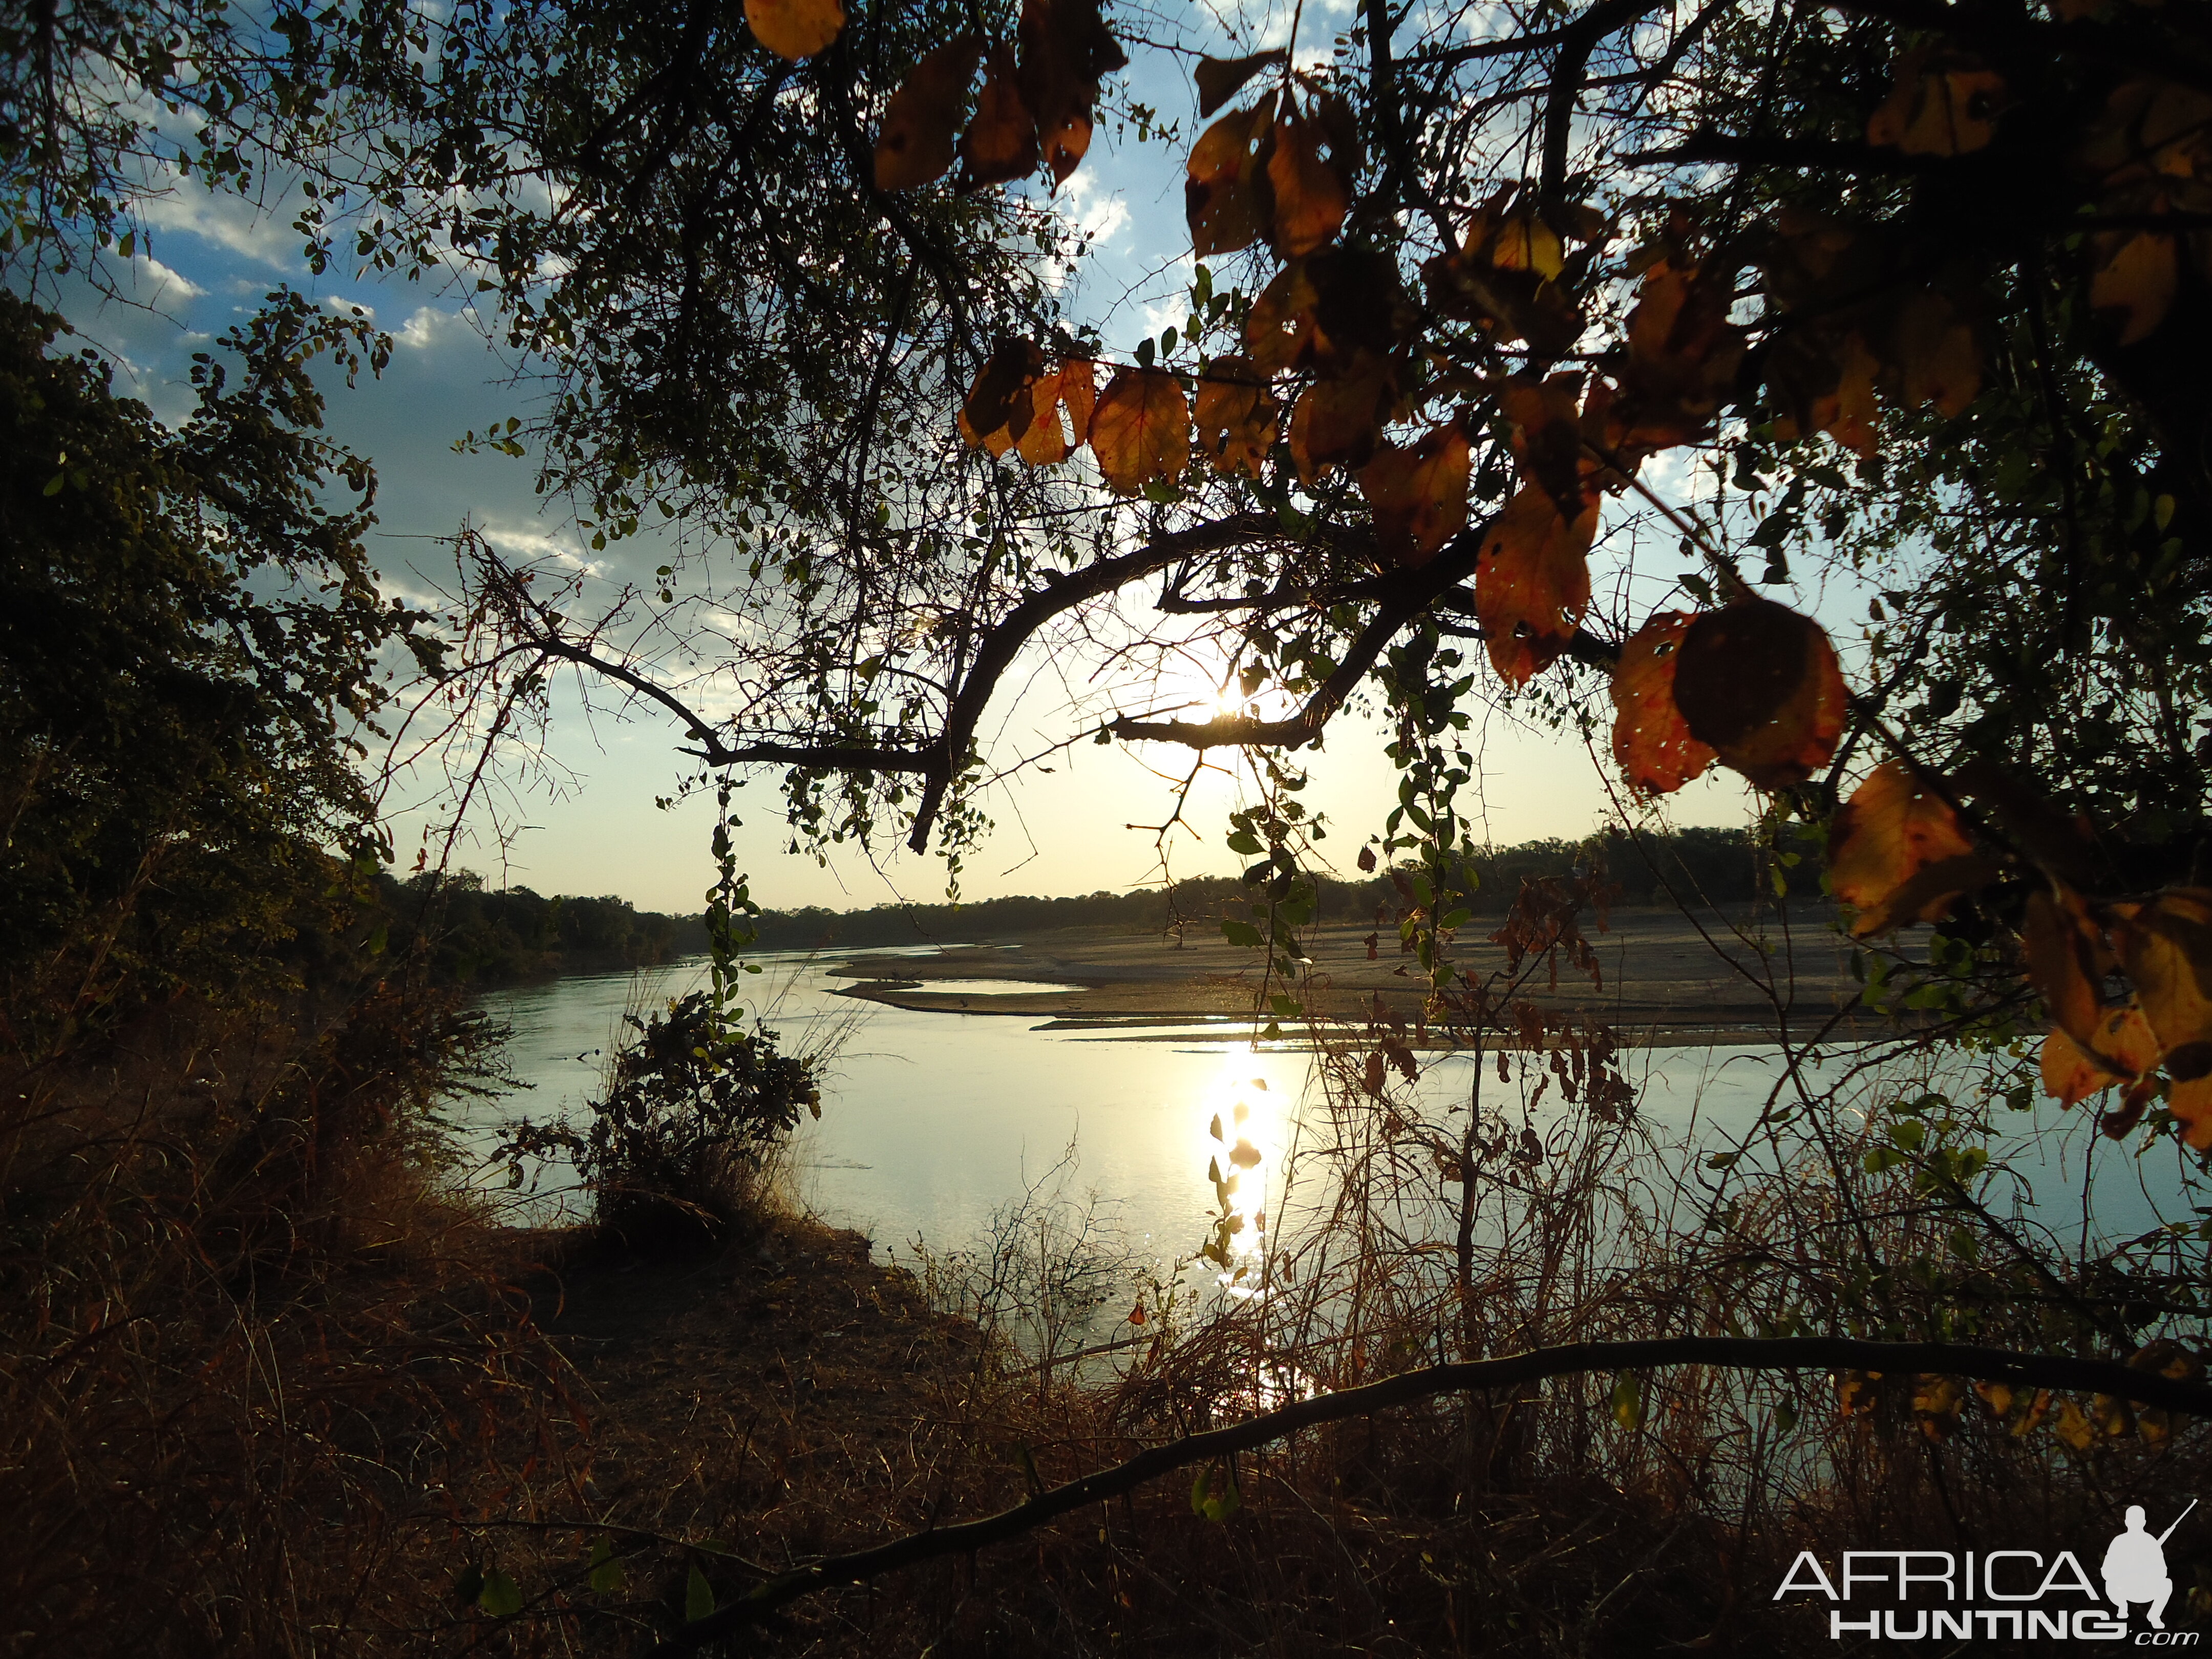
(694, 1107)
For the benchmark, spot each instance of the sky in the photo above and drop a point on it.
(588, 822)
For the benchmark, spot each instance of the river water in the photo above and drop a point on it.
(932, 1121)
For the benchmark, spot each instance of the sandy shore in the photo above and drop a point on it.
(1668, 978)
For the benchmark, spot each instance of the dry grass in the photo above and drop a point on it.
(248, 1338)
(269, 1388)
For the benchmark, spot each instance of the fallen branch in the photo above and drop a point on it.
(1733, 1352)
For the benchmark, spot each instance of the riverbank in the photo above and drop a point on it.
(1668, 978)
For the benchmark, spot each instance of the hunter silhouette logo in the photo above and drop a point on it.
(1999, 1594)
(2134, 1566)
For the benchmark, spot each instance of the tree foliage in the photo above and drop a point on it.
(190, 665)
(1494, 330)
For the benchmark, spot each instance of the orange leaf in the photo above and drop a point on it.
(1760, 683)
(2126, 1050)
(1944, 105)
(1311, 191)
(1227, 199)
(1547, 435)
(1339, 423)
(1682, 358)
(794, 28)
(1220, 79)
(1501, 279)
(1069, 386)
(2136, 274)
(1896, 852)
(1532, 582)
(1418, 495)
(1001, 142)
(999, 405)
(2067, 961)
(2190, 1102)
(1141, 428)
(1329, 311)
(1849, 416)
(1066, 46)
(2166, 950)
(1650, 739)
(916, 142)
(1236, 417)
(1935, 348)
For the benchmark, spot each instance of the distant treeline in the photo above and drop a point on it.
(1721, 867)
(477, 936)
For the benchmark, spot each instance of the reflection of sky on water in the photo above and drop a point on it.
(932, 1120)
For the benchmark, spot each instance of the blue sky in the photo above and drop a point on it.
(589, 823)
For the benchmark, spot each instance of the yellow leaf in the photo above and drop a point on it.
(1525, 242)
(794, 28)
(1857, 1391)
(1220, 79)
(1141, 429)
(2073, 1427)
(2125, 1051)
(999, 406)
(2165, 947)
(1065, 48)
(2032, 1418)
(1069, 386)
(1338, 422)
(1936, 1402)
(2190, 1102)
(2067, 962)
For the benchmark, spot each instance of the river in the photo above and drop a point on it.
(932, 1121)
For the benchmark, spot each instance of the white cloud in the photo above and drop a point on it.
(164, 283)
(259, 232)
(1092, 207)
(430, 326)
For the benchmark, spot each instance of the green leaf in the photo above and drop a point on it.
(1213, 1495)
(1627, 1402)
(606, 1572)
(698, 1596)
(469, 1585)
(1240, 933)
(501, 1597)
(1246, 842)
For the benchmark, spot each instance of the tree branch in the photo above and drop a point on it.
(1005, 638)
(1732, 1352)
(1577, 40)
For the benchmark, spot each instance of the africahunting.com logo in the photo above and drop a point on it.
(1910, 1595)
